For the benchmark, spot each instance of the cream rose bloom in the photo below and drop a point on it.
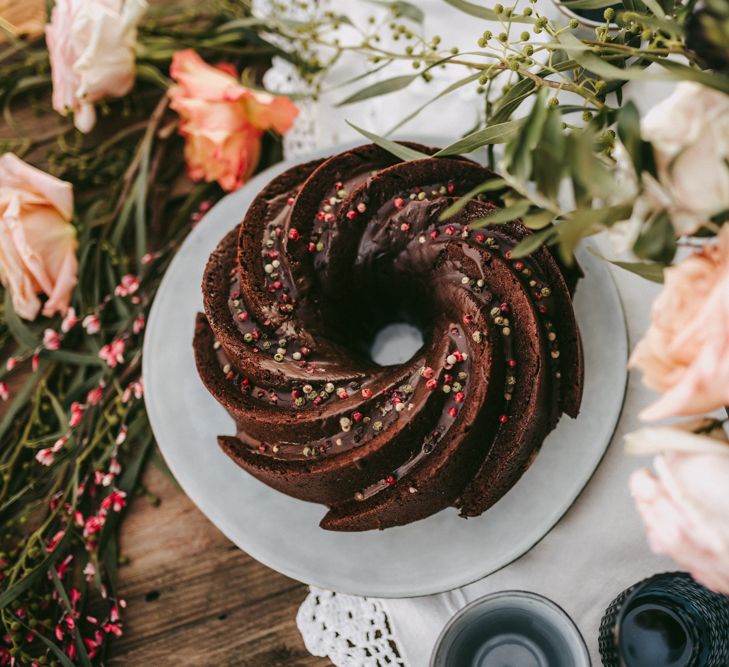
(91, 48)
(685, 352)
(689, 131)
(222, 120)
(37, 239)
(684, 503)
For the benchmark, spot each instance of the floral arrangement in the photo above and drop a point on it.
(92, 211)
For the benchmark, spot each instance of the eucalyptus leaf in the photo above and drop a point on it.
(518, 152)
(383, 87)
(652, 271)
(657, 240)
(484, 12)
(399, 150)
(655, 7)
(488, 186)
(493, 134)
(506, 214)
(587, 4)
(446, 91)
(532, 242)
(537, 220)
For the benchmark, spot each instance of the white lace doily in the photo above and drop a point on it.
(351, 631)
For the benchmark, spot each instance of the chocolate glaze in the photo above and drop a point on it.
(328, 253)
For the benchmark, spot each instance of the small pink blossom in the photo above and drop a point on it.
(103, 479)
(95, 395)
(58, 445)
(11, 363)
(138, 324)
(4, 391)
(93, 645)
(148, 257)
(115, 501)
(94, 524)
(77, 413)
(129, 285)
(45, 456)
(92, 324)
(51, 339)
(35, 362)
(64, 565)
(114, 467)
(122, 435)
(53, 542)
(113, 353)
(70, 321)
(135, 389)
(113, 628)
(89, 571)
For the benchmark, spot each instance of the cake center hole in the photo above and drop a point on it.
(396, 343)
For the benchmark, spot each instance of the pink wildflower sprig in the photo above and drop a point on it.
(113, 353)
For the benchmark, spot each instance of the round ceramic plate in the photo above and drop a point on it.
(429, 556)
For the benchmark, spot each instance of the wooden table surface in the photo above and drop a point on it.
(193, 597)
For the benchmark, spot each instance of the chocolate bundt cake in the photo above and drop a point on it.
(330, 252)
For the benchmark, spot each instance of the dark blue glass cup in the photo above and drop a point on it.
(510, 629)
(668, 620)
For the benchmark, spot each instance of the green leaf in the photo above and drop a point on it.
(384, 87)
(446, 91)
(587, 4)
(668, 25)
(455, 207)
(655, 8)
(675, 71)
(403, 152)
(8, 596)
(80, 646)
(532, 242)
(538, 220)
(506, 214)
(406, 9)
(484, 12)
(657, 240)
(76, 358)
(20, 400)
(652, 271)
(494, 134)
(17, 328)
(549, 160)
(52, 646)
(518, 152)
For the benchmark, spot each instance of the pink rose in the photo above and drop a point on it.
(91, 49)
(37, 239)
(684, 503)
(222, 120)
(685, 352)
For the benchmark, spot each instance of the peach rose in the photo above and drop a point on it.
(684, 503)
(222, 120)
(685, 352)
(37, 239)
(91, 49)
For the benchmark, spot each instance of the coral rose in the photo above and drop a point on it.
(685, 352)
(222, 120)
(37, 239)
(684, 503)
(91, 49)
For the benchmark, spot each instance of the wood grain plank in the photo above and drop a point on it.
(193, 598)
